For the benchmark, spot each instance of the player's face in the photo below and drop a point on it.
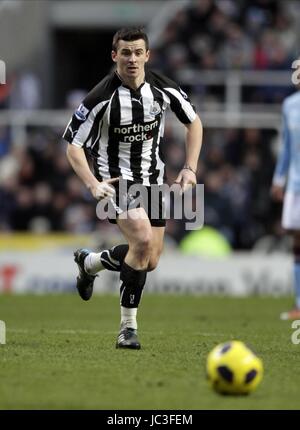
(131, 58)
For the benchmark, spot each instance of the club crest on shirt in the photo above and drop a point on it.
(81, 112)
(155, 109)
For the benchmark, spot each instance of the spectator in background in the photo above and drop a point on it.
(4, 140)
(26, 91)
(4, 94)
(237, 51)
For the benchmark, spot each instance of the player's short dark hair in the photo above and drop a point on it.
(129, 34)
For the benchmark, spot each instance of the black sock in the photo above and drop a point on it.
(132, 285)
(112, 259)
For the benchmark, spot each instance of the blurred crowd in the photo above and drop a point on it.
(39, 191)
(230, 35)
(236, 168)
(226, 34)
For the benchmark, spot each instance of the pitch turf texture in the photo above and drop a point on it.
(60, 353)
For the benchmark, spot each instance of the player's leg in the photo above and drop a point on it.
(157, 245)
(295, 313)
(112, 259)
(90, 263)
(145, 248)
(291, 223)
(137, 230)
(296, 251)
(85, 280)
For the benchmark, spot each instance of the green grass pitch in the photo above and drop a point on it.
(60, 353)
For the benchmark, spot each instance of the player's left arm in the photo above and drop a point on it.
(193, 142)
(183, 108)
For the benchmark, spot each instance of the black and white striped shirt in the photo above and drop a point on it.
(123, 128)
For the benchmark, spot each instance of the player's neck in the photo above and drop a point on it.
(133, 83)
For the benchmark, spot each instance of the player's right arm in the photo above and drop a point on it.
(78, 161)
(81, 132)
(283, 162)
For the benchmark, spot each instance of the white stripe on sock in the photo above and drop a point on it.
(92, 263)
(128, 317)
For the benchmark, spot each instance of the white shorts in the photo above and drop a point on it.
(291, 211)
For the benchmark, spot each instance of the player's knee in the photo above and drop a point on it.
(154, 259)
(142, 245)
(152, 264)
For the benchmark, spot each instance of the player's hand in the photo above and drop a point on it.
(277, 193)
(186, 179)
(103, 190)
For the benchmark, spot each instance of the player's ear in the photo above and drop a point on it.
(113, 56)
(147, 56)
